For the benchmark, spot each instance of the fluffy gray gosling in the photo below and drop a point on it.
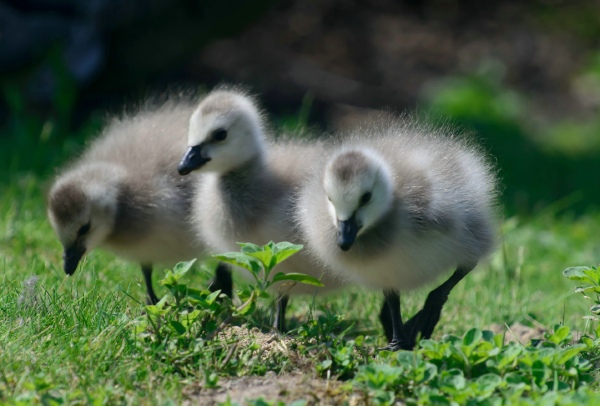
(397, 205)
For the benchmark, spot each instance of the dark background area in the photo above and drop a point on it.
(523, 77)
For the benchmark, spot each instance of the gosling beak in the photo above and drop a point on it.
(71, 258)
(192, 160)
(347, 230)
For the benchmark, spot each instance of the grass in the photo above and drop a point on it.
(72, 340)
(84, 339)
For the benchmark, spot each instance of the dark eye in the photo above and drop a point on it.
(84, 229)
(365, 198)
(219, 135)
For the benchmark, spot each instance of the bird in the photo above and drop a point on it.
(398, 203)
(123, 194)
(248, 183)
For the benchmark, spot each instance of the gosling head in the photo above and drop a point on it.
(359, 191)
(82, 214)
(225, 132)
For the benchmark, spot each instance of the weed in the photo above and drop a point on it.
(476, 368)
(182, 328)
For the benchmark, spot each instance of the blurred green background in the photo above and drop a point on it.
(524, 79)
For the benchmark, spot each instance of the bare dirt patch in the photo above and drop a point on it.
(298, 382)
(286, 388)
(518, 332)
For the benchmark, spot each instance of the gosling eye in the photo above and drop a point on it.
(84, 229)
(365, 198)
(219, 135)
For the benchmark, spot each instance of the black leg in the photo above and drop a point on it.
(147, 271)
(386, 321)
(426, 319)
(398, 342)
(281, 303)
(222, 280)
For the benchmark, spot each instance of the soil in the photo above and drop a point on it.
(286, 388)
(300, 384)
(518, 332)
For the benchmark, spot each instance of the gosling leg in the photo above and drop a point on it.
(386, 321)
(281, 303)
(222, 280)
(399, 341)
(151, 298)
(427, 318)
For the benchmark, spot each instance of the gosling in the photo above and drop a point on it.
(249, 183)
(124, 195)
(396, 205)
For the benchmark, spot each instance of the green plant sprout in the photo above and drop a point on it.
(186, 319)
(193, 315)
(260, 261)
(590, 277)
(590, 289)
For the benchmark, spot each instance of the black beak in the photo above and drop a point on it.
(71, 258)
(192, 160)
(347, 231)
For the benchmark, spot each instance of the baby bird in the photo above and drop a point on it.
(395, 206)
(124, 195)
(249, 183)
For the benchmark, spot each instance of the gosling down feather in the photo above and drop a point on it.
(249, 183)
(396, 205)
(124, 195)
